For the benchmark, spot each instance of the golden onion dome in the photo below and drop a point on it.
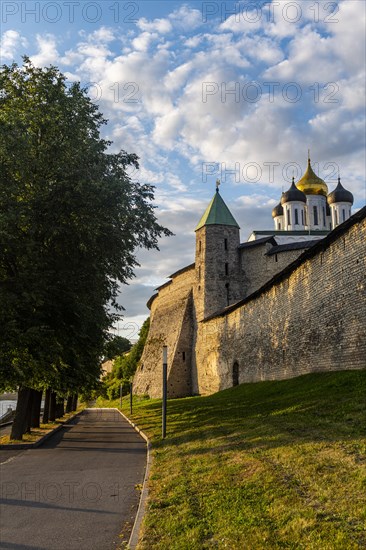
(311, 184)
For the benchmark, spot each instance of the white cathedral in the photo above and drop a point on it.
(307, 212)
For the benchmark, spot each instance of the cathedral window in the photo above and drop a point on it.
(199, 246)
(336, 217)
(343, 214)
(279, 225)
(302, 217)
(227, 286)
(288, 217)
(225, 244)
(296, 216)
(183, 355)
(324, 217)
(315, 210)
(226, 269)
(305, 217)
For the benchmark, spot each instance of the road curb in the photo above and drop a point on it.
(39, 441)
(134, 537)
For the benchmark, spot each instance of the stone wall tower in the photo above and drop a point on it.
(217, 261)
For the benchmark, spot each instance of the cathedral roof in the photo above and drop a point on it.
(256, 242)
(277, 211)
(340, 194)
(293, 194)
(290, 246)
(217, 213)
(311, 184)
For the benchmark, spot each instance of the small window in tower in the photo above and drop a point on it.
(343, 214)
(226, 269)
(227, 286)
(183, 355)
(296, 216)
(336, 217)
(225, 244)
(279, 226)
(302, 217)
(305, 217)
(315, 210)
(324, 223)
(288, 217)
(199, 246)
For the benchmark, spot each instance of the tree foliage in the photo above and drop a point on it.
(116, 346)
(125, 366)
(70, 222)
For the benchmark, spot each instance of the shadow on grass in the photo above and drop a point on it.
(324, 407)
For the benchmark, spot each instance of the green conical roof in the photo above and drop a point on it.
(217, 213)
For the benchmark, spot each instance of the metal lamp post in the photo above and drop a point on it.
(165, 372)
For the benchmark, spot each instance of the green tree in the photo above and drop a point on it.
(116, 346)
(70, 222)
(125, 366)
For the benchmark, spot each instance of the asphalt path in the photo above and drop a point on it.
(79, 491)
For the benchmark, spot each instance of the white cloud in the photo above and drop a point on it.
(246, 22)
(161, 26)
(11, 42)
(186, 18)
(143, 41)
(47, 51)
(302, 67)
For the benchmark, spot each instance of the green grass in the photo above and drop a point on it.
(265, 465)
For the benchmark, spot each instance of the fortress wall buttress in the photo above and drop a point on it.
(170, 325)
(310, 319)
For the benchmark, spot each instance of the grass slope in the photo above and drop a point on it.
(266, 465)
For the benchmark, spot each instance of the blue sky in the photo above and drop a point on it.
(205, 90)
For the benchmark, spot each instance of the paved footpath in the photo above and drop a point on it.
(78, 491)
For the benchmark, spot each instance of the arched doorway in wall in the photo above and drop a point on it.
(236, 374)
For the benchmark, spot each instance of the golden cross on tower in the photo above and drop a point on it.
(218, 182)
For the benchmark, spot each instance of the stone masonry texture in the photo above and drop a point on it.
(296, 315)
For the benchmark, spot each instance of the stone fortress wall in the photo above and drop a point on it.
(309, 317)
(171, 324)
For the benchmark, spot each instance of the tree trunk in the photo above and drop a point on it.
(29, 412)
(59, 407)
(20, 420)
(46, 409)
(52, 411)
(36, 408)
(62, 407)
(75, 402)
(69, 403)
